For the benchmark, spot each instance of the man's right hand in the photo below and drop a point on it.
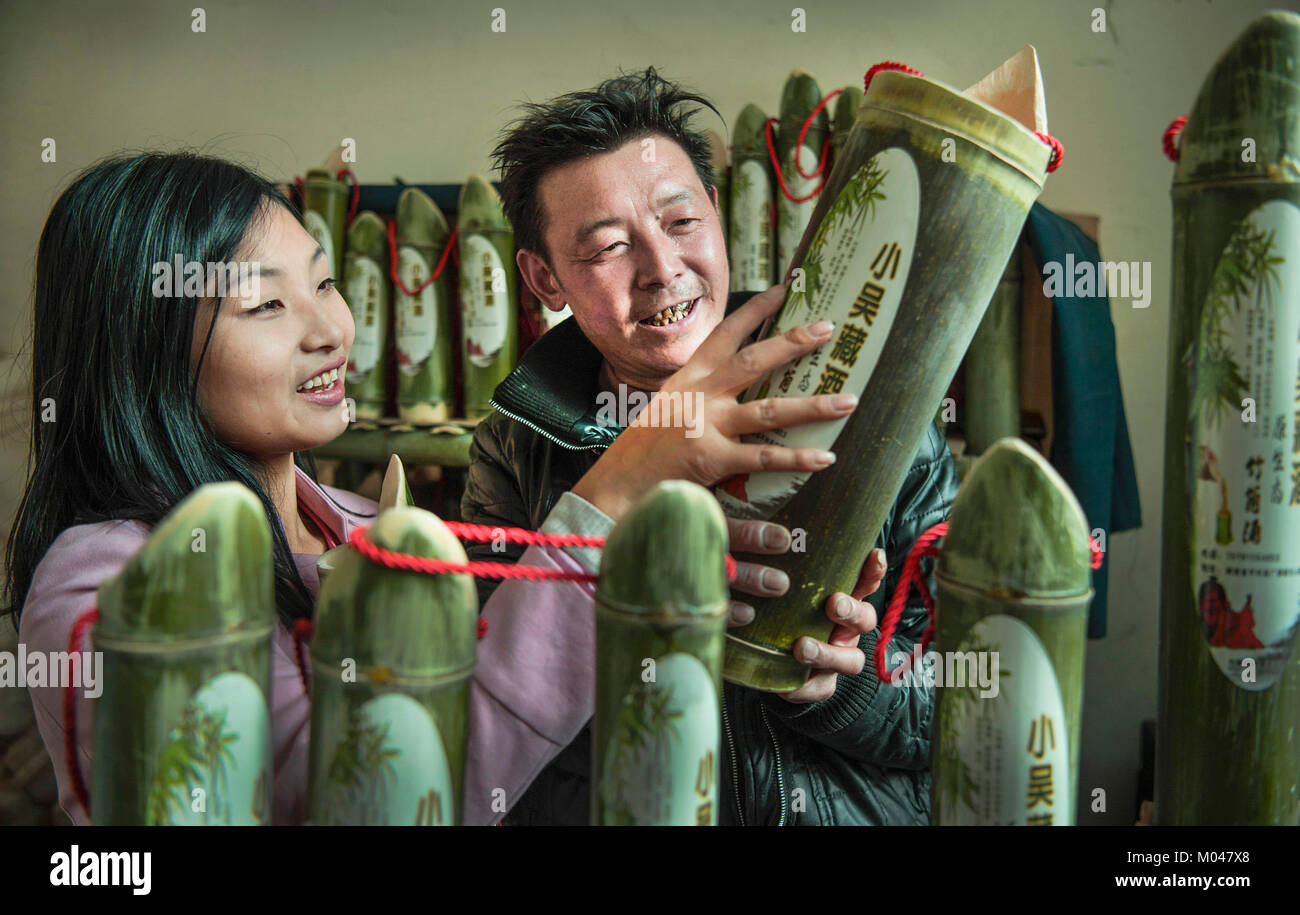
(642, 456)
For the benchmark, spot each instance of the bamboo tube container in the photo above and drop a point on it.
(798, 99)
(903, 254)
(367, 292)
(661, 607)
(750, 243)
(422, 332)
(1015, 581)
(325, 215)
(993, 365)
(488, 293)
(846, 113)
(1228, 725)
(718, 157)
(392, 657)
(183, 728)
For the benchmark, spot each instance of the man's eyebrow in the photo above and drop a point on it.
(265, 271)
(592, 228)
(679, 197)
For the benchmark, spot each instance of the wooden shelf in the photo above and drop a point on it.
(445, 444)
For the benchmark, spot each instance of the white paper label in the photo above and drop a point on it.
(484, 295)
(367, 295)
(661, 759)
(319, 229)
(751, 228)
(216, 767)
(1004, 760)
(792, 218)
(854, 274)
(1244, 462)
(552, 318)
(417, 315)
(389, 768)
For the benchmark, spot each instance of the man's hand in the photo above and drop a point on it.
(854, 616)
(721, 368)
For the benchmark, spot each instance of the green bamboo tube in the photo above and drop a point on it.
(422, 332)
(846, 114)
(367, 292)
(906, 252)
(1228, 724)
(392, 658)
(661, 606)
(798, 99)
(1015, 581)
(751, 241)
(488, 293)
(183, 728)
(993, 366)
(325, 215)
(718, 159)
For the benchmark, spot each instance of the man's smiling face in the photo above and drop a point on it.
(628, 239)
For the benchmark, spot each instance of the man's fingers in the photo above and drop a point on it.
(820, 686)
(820, 655)
(872, 574)
(781, 412)
(850, 613)
(754, 361)
(722, 343)
(741, 457)
(739, 614)
(761, 537)
(760, 580)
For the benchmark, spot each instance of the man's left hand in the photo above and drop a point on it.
(840, 654)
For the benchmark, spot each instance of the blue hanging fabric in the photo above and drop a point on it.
(1090, 442)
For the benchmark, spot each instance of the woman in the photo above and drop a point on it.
(143, 391)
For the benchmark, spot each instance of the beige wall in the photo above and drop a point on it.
(424, 87)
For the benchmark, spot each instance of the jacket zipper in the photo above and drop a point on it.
(735, 770)
(780, 776)
(544, 434)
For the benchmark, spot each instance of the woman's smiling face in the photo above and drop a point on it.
(263, 351)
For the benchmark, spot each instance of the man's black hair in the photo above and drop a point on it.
(630, 106)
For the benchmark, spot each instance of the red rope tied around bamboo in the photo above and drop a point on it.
(911, 577)
(482, 533)
(1171, 134)
(347, 175)
(820, 171)
(84, 622)
(437, 272)
(1058, 150)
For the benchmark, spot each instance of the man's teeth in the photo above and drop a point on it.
(324, 381)
(670, 315)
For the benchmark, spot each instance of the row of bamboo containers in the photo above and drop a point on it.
(405, 306)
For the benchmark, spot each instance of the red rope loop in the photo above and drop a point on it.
(1171, 133)
(84, 622)
(886, 65)
(1058, 150)
(780, 176)
(392, 260)
(912, 577)
(347, 175)
(803, 135)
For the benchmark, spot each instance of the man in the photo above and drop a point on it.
(614, 216)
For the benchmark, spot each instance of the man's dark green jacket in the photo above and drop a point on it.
(860, 757)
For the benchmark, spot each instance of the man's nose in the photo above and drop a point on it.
(661, 260)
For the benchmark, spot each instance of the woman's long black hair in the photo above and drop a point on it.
(117, 427)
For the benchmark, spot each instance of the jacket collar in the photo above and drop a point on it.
(554, 388)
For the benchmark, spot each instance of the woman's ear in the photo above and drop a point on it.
(540, 279)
